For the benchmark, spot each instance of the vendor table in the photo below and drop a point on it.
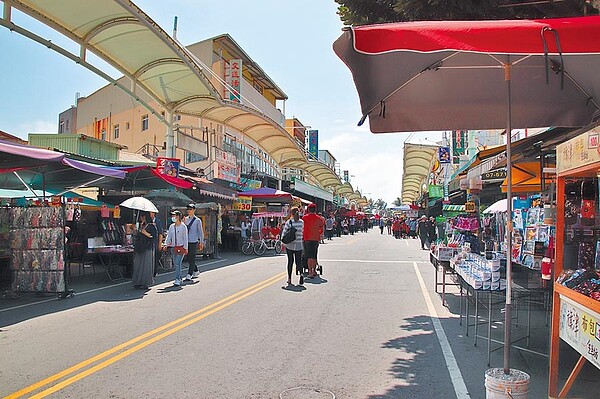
(446, 270)
(110, 257)
(489, 299)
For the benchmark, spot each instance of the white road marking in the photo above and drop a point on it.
(455, 375)
(369, 261)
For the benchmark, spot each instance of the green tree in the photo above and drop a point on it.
(366, 12)
(397, 201)
(380, 204)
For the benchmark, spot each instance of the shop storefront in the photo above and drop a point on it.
(322, 198)
(576, 312)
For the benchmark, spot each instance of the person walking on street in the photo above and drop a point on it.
(177, 243)
(143, 260)
(423, 231)
(412, 227)
(432, 230)
(396, 227)
(352, 225)
(158, 243)
(313, 227)
(294, 248)
(195, 238)
(329, 224)
(245, 226)
(381, 224)
(388, 223)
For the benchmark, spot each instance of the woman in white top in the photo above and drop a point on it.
(294, 248)
(245, 225)
(177, 236)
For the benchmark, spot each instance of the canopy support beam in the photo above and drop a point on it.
(26, 185)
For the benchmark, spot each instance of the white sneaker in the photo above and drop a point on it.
(188, 278)
(177, 282)
(195, 274)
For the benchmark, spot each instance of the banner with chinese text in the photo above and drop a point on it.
(580, 328)
(459, 145)
(313, 143)
(233, 77)
(226, 172)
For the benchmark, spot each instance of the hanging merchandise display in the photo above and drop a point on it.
(35, 237)
(576, 311)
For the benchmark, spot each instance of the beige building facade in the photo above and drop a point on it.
(112, 115)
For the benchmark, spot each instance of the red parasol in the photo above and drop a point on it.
(455, 75)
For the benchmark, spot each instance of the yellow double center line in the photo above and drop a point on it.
(118, 352)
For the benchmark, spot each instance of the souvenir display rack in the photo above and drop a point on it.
(575, 316)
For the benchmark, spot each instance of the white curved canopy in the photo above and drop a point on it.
(324, 175)
(418, 160)
(120, 33)
(345, 189)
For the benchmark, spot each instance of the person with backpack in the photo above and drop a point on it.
(293, 248)
(195, 238)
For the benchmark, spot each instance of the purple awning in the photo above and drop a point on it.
(96, 169)
(30, 152)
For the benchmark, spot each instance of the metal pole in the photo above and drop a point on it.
(509, 222)
(170, 136)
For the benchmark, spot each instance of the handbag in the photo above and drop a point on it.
(290, 235)
(177, 249)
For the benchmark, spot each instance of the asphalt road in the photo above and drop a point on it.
(371, 327)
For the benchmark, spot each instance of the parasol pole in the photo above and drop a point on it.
(509, 223)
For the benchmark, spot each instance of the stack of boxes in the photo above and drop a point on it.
(479, 272)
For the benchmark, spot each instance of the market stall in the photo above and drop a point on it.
(33, 241)
(209, 214)
(576, 312)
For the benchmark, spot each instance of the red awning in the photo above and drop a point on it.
(174, 181)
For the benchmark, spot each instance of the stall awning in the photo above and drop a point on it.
(453, 208)
(313, 191)
(207, 187)
(267, 194)
(526, 178)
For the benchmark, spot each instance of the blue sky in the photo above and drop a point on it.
(290, 40)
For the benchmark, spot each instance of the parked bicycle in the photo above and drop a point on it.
(260, 246)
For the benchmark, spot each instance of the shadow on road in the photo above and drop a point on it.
(94, 287)
(419, 370)
(293, 288)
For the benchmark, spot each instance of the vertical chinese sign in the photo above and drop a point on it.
(459, 145)
(233, 78)
(225, 166)
(313, 143)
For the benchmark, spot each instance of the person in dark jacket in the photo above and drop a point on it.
(144, 246)
(432, 230)
(423, 231)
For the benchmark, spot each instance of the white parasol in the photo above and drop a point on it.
(140, 204)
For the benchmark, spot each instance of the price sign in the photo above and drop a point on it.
(242, 204)
(470, 207)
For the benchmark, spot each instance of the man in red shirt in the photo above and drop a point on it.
(311, 236)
